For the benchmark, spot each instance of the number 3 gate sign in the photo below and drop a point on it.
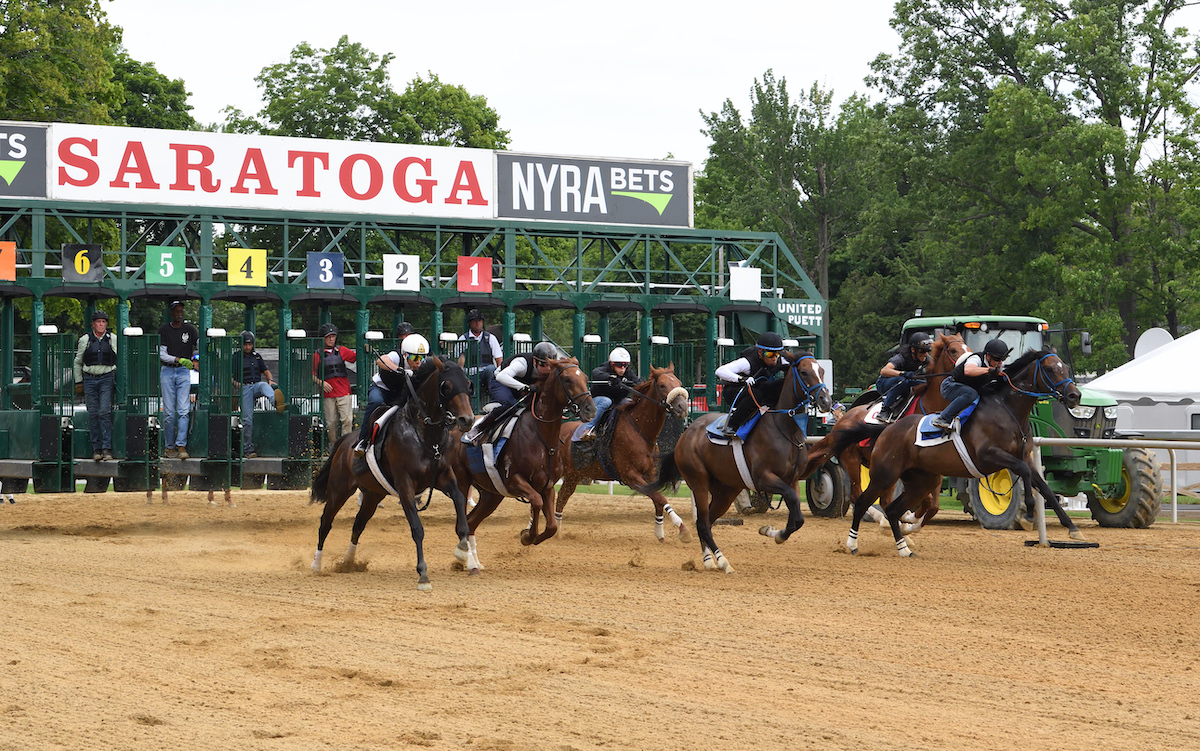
(326, 271)
(82, 263)
(166, 265)
(247, 267)
(402, 273)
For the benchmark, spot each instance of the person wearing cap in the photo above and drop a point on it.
(256, 381)
(333, 377)
(491, 354)
(756, 364)
(96, 377)
(178, 343)
(610, 384)
(901, 373)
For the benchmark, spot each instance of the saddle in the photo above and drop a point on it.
(500, 426)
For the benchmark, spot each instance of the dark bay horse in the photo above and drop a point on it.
(630, 449)
(413, 453)
(947, 348)
(531, 461)
(774, 455)
(996, 437)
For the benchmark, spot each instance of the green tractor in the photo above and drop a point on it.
(1123, 486)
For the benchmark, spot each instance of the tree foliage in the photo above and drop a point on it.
(151, 100)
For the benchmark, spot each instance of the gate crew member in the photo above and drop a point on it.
(334, 378)
(899, 375)
(254, 370)
(490, 352)
(610, 382)
(96, 376)
(972, 372)
(759, 363)
(177, 350)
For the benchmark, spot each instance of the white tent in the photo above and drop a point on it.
(1166, 375)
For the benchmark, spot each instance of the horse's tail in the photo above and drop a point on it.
(846, 437)
(668, 474)
(320, 484)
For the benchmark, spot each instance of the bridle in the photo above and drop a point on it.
(798, 386)
(1041, 372)
(570, 403)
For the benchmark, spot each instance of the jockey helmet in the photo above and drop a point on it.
(619, 355)
(544, 351)
(770, 341)
(403, 329)
(415, 344)
(996, 348)
(327, 329)
(247, 337)
(921, 341)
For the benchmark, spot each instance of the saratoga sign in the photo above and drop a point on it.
(106, 164)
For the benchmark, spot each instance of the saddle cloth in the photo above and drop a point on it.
(927, 436)
(715, 428)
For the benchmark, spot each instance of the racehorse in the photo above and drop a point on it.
(629, 450)
(530, 461)
(947, 348)
(413, 453)
(774, 454)
(996, 437)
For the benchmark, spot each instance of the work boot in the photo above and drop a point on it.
(97, 457)
(181, 452)
(171, 453)
(280, 401)
(107, 455)
(941, 423)
(589, 435)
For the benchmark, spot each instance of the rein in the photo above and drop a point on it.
(1041, 372)
(801, 404)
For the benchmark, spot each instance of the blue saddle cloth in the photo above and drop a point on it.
(716, 427)
(926, 429)
(475, 456)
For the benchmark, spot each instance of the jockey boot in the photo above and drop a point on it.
(942, 423)
(589, 435)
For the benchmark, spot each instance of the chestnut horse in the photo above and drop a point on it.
(629, 450)
(947, 348)
(413, 452)
(774, 454)
(996, 437)
(530, 462)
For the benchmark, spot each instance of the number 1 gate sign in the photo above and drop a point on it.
(475, 274)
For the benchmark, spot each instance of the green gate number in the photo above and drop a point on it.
(165, 265)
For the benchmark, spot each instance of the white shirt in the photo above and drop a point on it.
(488, 345)
(509, 375)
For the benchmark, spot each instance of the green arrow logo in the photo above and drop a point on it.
(657, 200)
(10, 169)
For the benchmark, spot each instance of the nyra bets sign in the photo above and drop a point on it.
(229, 170)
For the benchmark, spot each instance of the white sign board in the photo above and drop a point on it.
(745, 283)
(402, 273)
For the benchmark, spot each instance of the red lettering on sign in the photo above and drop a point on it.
(308, 159)
(346, 175)
(134, 160)
(400, 181)
(91, 170)
(254, 167)
(184, 165)
(465, 179)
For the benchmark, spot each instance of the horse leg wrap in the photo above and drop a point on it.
(473, 563)
(350, 551)
(852, 541)
(316, 564)
(709, 564)
(723, 564)
(674, 517)
(558, 517)
(902, 548)
(658, 528)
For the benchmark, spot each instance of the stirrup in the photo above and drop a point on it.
(360, 449)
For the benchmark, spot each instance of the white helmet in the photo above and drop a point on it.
(415, 344)
(620, 354)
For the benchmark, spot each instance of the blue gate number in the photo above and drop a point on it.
(325, 271)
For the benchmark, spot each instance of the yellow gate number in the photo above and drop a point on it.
(247, 267)
(82, 264)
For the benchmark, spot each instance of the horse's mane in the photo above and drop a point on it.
(1026, 359)
(942, 341)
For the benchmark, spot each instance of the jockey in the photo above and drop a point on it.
(900, 374)
(755, 364)
(520, 373)
(388, 387)
(972, 372)
(610, 381)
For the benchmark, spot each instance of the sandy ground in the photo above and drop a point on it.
(127, 626)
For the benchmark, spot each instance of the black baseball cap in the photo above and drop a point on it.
(174, 303)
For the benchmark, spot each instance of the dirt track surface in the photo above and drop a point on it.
(127, 626)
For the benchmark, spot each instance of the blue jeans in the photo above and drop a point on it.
(487, 374)
(960, 397)
(176, 386)
(250, 392)
(603, 404)
(98, 396)
(503, 394)
(894, 389)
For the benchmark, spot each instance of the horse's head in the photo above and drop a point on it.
(665, 388)
(1044, 374)
(566, 387)
(454, 393)
(812, 376)
(947, 348)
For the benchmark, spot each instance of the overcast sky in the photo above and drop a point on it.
(615, 78)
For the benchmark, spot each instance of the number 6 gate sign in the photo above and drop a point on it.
(82, 263)
(402, 273)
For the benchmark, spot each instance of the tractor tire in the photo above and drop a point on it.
(828, 491)
(996, 500)
(1138, 499)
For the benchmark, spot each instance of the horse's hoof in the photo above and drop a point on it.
(424, 586)
(1077, 535)
(853, 551)
(461, 551)
(1026, 524)
(685, 535)
(766, 530)
(709, 565)
(526, 537)
(316, 567)
(473, 572)
(727, 568)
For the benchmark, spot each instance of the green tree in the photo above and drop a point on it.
(151, 99)
(54, 64)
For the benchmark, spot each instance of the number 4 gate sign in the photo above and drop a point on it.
(82, 263)
(326, 271)
(166, 265)
(247, 267)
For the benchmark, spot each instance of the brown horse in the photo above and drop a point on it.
(947, 348)
(530, 462)
(413, 453)
(774, 455)
(996, 437)
(630, 449)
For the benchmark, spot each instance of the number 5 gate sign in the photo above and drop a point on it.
(166, 265)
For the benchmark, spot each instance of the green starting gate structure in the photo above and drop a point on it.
(588, 272)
